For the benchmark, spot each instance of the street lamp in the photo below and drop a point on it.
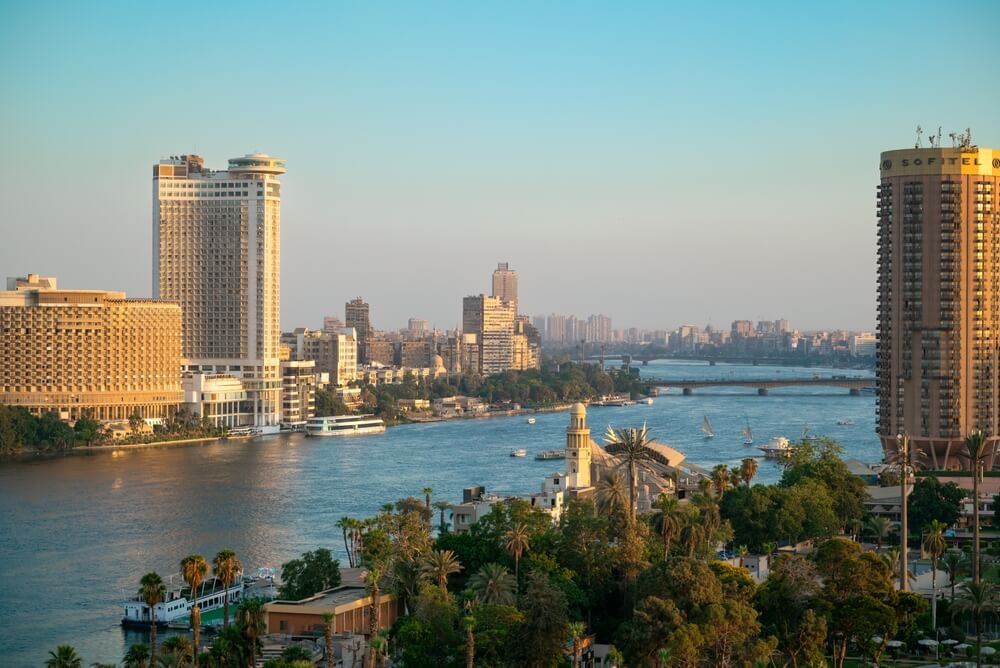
(903, 457)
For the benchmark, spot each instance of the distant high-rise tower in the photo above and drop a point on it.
(938, 300)
(491, 320)
(216, 252)
(505, 283)
(578, 453)
(357, 314)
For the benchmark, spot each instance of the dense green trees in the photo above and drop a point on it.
(931, 500)
(312, 573)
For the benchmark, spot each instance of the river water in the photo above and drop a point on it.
(77, 532)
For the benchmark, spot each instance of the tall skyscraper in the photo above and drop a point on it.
(491, 319)
(505, 283)
(938, 299)
(216, 252)
(357, 315)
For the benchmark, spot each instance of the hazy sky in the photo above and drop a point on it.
(658, 162)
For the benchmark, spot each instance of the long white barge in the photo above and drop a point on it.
(345, 425)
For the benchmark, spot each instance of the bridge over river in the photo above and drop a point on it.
(763, 385)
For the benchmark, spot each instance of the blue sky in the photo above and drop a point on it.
(660, 163)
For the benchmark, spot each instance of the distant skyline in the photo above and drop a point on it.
(659, 164)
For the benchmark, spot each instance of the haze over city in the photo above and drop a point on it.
(733, 149)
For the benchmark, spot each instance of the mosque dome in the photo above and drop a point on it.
(437, 362)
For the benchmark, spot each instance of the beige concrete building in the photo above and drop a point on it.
(79, 352)
(938, 299)
(505, 283)
(415, 353)
(380, 351)
(357, 314)
(216, 252)
(298, 391)
(217, 397)
(491, 320)
(335, 353)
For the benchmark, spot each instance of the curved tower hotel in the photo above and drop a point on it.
(939, 300)
(216, 252)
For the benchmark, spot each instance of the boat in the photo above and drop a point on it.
(518, 452)
(806, 435)
(345, 425)
(243, 431)
(531, 420)
(649, 401)
(747, 434)
(613, 400)
(846, 422)
(177, 604)
(777, 448)
(551, 454)
(706, 428)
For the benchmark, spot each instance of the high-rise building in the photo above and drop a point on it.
(332, 323)
(334, 353)
(555, 328)
(491, 320)
(938, 299)
(742, 328)
(505, 283)
(88, 352)
(357, 315)
(416, 327)
(216, 252)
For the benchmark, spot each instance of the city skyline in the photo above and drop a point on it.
(423, 150)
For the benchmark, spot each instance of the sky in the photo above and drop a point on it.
(662, 163)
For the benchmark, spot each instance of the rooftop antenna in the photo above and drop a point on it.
(920, 132)
(937, 141)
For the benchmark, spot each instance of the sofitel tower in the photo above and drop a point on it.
(938, 300)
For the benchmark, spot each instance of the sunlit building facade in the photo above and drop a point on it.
(938, 300)
(217, 253)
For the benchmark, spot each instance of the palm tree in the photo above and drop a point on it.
(469, 622)
(612, 494)
(152, 591)
(742, 551)
(63, 656)
(516, 541)
(137, 656)
(178, 646)
(576, 631)
(344, 523)
(227, 568)
(615, 657)
(251, 617)
(328, 619)
(374, 588)
(194, 568)
(427, 502)
(631, 444)
(954, 565)
(669, 520)
(880, 528)
(856, 526)
(720, 478)
(934, 545)
(975, 444)
(662, 657)
(493, 584)
(748, 470)
(977, 599)
(438, 565)
(442, 506)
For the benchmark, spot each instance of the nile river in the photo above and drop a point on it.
(78, 531)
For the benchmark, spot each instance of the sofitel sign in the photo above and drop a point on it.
(937, 160)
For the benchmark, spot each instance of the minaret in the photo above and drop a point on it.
(577, 448)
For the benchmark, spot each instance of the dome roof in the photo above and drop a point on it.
(437, 362)
(578, 409)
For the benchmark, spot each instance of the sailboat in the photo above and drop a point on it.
(806, 436)
(747, 434)
(706, 428)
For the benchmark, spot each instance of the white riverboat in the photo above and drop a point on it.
(531, 420)
(345, 425)
(777, 448)
(211, 596)
(518, 452)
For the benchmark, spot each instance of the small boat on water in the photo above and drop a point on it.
(243, 431)
(530, 420)
(344, 425)
(551, 454)
(649, 401)
(747, 434)
(846, 422)
(177, 604)
(777, 448)
(518, 452)
(706, 428)
(806, 434)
